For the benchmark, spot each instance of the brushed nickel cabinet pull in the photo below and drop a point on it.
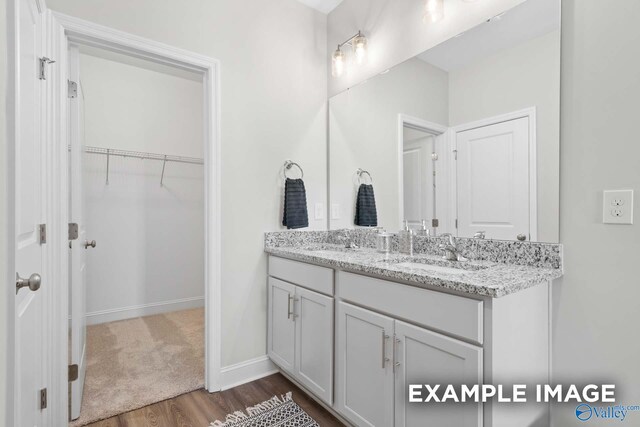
(385, 359)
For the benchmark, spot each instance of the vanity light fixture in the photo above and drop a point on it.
(433, 10)
(337, 63)
(358, 43)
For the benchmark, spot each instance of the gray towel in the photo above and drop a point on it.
(295, 204)
(366, 214)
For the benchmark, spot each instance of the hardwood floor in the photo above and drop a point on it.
(199, 408)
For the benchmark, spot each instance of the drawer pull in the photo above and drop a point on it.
(291, 307)
(396, 341)
(385, 359)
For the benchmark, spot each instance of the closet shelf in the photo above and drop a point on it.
(142, 155)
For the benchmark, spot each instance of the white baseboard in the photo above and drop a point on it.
(121, 313)
(247, 371)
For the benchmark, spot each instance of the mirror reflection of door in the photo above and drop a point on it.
(419, 176)
(493, 180)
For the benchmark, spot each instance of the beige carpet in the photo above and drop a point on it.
(133, 363)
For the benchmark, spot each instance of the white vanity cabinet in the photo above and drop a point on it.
(389, 335)
(364, 372)
(422, 356)
(377, 357)
(300, 324)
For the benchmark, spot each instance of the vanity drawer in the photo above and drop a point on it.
(314, 277)
(451, 314)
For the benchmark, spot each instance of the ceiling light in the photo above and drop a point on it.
(337, 63)
(433, 10)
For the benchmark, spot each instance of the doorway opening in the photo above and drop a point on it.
(136, 251)
(424, 180)
(153, 213)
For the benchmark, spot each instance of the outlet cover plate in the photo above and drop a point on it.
(617, 207)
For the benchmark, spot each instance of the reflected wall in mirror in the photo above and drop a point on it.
(464, 136)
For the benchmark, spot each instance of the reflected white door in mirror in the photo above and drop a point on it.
(496, 176)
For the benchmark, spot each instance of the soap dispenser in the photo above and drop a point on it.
(405, 239)
(423, 231)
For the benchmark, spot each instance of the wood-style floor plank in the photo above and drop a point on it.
(199, 408)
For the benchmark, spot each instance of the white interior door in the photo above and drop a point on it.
(418, 180)
(493, 180)
(30, 350)
(78, 250)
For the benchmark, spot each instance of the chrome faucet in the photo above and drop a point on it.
(451, 252)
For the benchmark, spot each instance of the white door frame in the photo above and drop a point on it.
(442, 134)
(65, 29)
(529, 113)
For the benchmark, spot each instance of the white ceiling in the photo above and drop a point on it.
(324, 6)
(529, 20)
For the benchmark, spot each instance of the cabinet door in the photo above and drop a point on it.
(426, 357)
(281, 328)
(364, 373)
(314, 342)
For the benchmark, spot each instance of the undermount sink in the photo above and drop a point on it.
(329, 250)
(436, 265)
(432, 268)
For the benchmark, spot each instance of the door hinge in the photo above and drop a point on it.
(455, 154)
(456, 223)
(43, 67)
(435, 222)
(42, 229)
(72, 89)
(73, 231)
(73, 372)
(43, 399)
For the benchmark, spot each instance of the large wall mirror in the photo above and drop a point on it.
(464, 136)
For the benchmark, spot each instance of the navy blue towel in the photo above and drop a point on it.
(366, 214)
(295, 204)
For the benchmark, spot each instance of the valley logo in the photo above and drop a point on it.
(586, 412)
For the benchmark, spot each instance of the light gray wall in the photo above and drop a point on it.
(363, 126)
(4, 309)
(396, 31)
(527, 75)
(150, 246)
(597, 304)
(273, 106)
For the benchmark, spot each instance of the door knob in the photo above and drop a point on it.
(33, 282)
(522, 237)
(88, 243)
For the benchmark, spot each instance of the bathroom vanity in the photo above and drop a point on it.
(355, 327)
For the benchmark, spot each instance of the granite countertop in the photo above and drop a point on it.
(472, 277)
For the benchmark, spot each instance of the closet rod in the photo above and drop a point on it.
(143, 155)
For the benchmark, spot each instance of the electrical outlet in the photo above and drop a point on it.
(335, 211)
(319, 208)
(617, 207)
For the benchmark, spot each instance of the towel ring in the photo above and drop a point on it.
(288, 165)
(361, 172)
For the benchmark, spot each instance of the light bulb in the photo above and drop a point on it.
(433, 10)
(337, 63)
(359, 45)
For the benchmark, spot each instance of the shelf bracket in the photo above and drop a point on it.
(107, 180)
(164, 163)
